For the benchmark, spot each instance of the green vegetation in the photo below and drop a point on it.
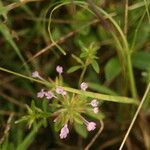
(68, 67)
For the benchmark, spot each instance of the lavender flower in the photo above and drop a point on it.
(60, 90)
(64, 132)
(84, 86)
(94, 103)
(41, 94)
(35, 74)
(95, 110)
(59, 69)
(91, 126)
(49, 95)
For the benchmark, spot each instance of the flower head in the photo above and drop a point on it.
(84, 86)
(95, 110)
(94, 103)
(49, 95)
(35, 74)
(41, 94)
(64, 132)
(59, 69)
(91, 126)
(60, 90)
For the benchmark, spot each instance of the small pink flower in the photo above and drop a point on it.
(64, 132)
(49, 95)
(41, 94)
(84, 86)
(95, 110)
(35, 74)
(60, 90)
(94, 103)
(91, 126)
(59, 69)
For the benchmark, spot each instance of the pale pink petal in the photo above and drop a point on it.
(84, 86)
(91, 126)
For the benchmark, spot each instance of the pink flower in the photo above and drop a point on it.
(91, 126)
(59, 69)
(49, 95)
(95, 110)
(64, 132)
(41, 94)
(35, 74)
(94, 103)
(84, 86)
(60, 90)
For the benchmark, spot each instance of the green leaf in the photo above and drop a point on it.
(81, 130)
(95, 66)
(73, 69)
(45, 105)
(29, 138)
(83, 54)
(112, 69)
(77, 59)
(23, 119)
(141, 60)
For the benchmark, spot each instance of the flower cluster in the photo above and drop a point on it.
(67, 105)
(47, 94)
(94, 104)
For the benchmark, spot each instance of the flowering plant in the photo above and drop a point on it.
(64, 108)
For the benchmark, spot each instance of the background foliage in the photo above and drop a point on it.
(105, 43)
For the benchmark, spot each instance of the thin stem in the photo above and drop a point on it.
(135, 116)
(7, 128)
(131, 77)
(146, 6)
(126, 18)
(136, 31)
(82, 74)
(96, 136)
(18, 4)
(125, 50)
(24, 76)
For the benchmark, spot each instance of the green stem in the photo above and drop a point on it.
(104, 97)
(136, 31)
(26, 77)
(82, 74)
(131, 77)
